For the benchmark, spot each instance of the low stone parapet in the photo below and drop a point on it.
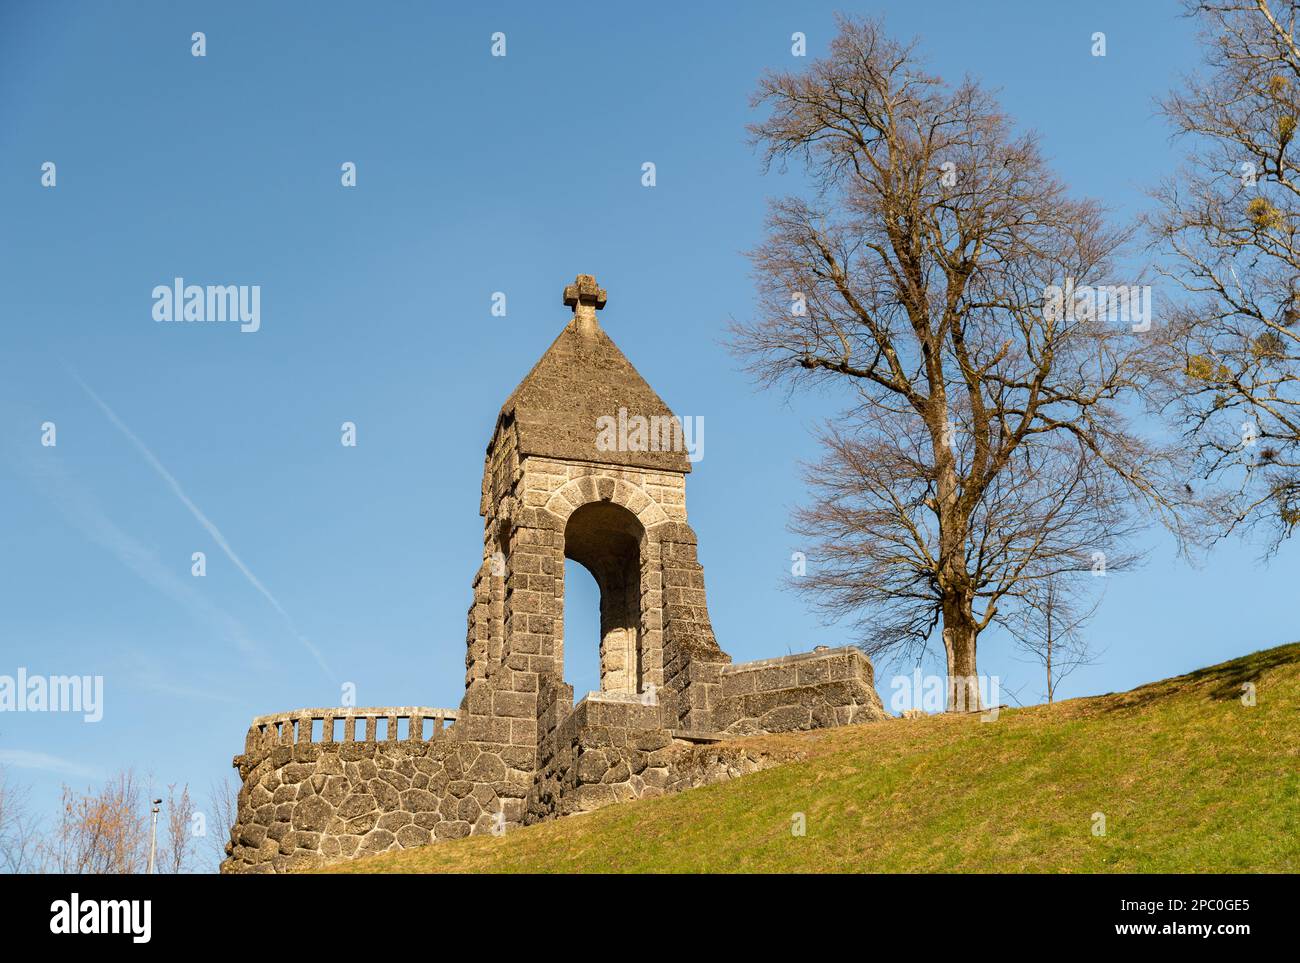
(313, 794)
(299, 726)
(810, 690)
(322, 785)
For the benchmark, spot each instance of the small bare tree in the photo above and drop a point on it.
(1230, 221)
(988, 448)
(18, 828)
(101, 832)
(1050, 630)
(223, 801)
(177, 855)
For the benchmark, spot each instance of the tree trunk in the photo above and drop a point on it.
(958, 596)
(1050, 687)
(957, 608)
(959, 635)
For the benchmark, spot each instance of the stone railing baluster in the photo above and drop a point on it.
(298, 727)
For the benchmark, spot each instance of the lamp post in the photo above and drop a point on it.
(153, 834)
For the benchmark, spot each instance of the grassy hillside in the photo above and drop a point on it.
(1189, 779)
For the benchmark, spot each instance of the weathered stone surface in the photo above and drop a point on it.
(427, 820)
(469, 809)
(451, 830)
(286, 793)
(385, 795)
(617, 773)
(359, 825)
(652, 740)
(656, 778)
(394, 821)
(252, 835)
(594, 797)
(395, 779)
(592, 766)
(419, 800)
(377, 840)
(335, 790)
(486, 768)
(409, 836)
(312, 813)
(356, 804)
(786, 719)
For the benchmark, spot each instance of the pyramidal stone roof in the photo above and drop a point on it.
(584, 377)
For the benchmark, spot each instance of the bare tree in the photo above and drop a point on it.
(178, 852)
(988, 448)
(18, 829)
(1230, 221)
(1050, 630)
(223, 796)
(101, 832)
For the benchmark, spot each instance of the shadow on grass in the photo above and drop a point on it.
(1224, 681)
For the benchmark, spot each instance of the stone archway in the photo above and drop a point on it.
(608, 541)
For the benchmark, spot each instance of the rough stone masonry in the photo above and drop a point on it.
(321, 785)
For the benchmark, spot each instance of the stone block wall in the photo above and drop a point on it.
(610, 748)
(614, 748)
(308, 801)
(310, 805)
(809, 690)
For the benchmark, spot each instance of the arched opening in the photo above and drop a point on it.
(581, 629)
(605, 539)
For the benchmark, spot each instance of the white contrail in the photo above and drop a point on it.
(204, 521)
(84, 512)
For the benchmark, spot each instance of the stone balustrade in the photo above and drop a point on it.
(299, 726)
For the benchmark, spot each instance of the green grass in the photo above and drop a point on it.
(1189, 780)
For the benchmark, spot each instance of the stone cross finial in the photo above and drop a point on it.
(585, 297)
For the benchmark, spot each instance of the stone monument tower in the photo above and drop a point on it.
(585, 462)
(551, 490)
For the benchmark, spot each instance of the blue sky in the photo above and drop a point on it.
(475, 174)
